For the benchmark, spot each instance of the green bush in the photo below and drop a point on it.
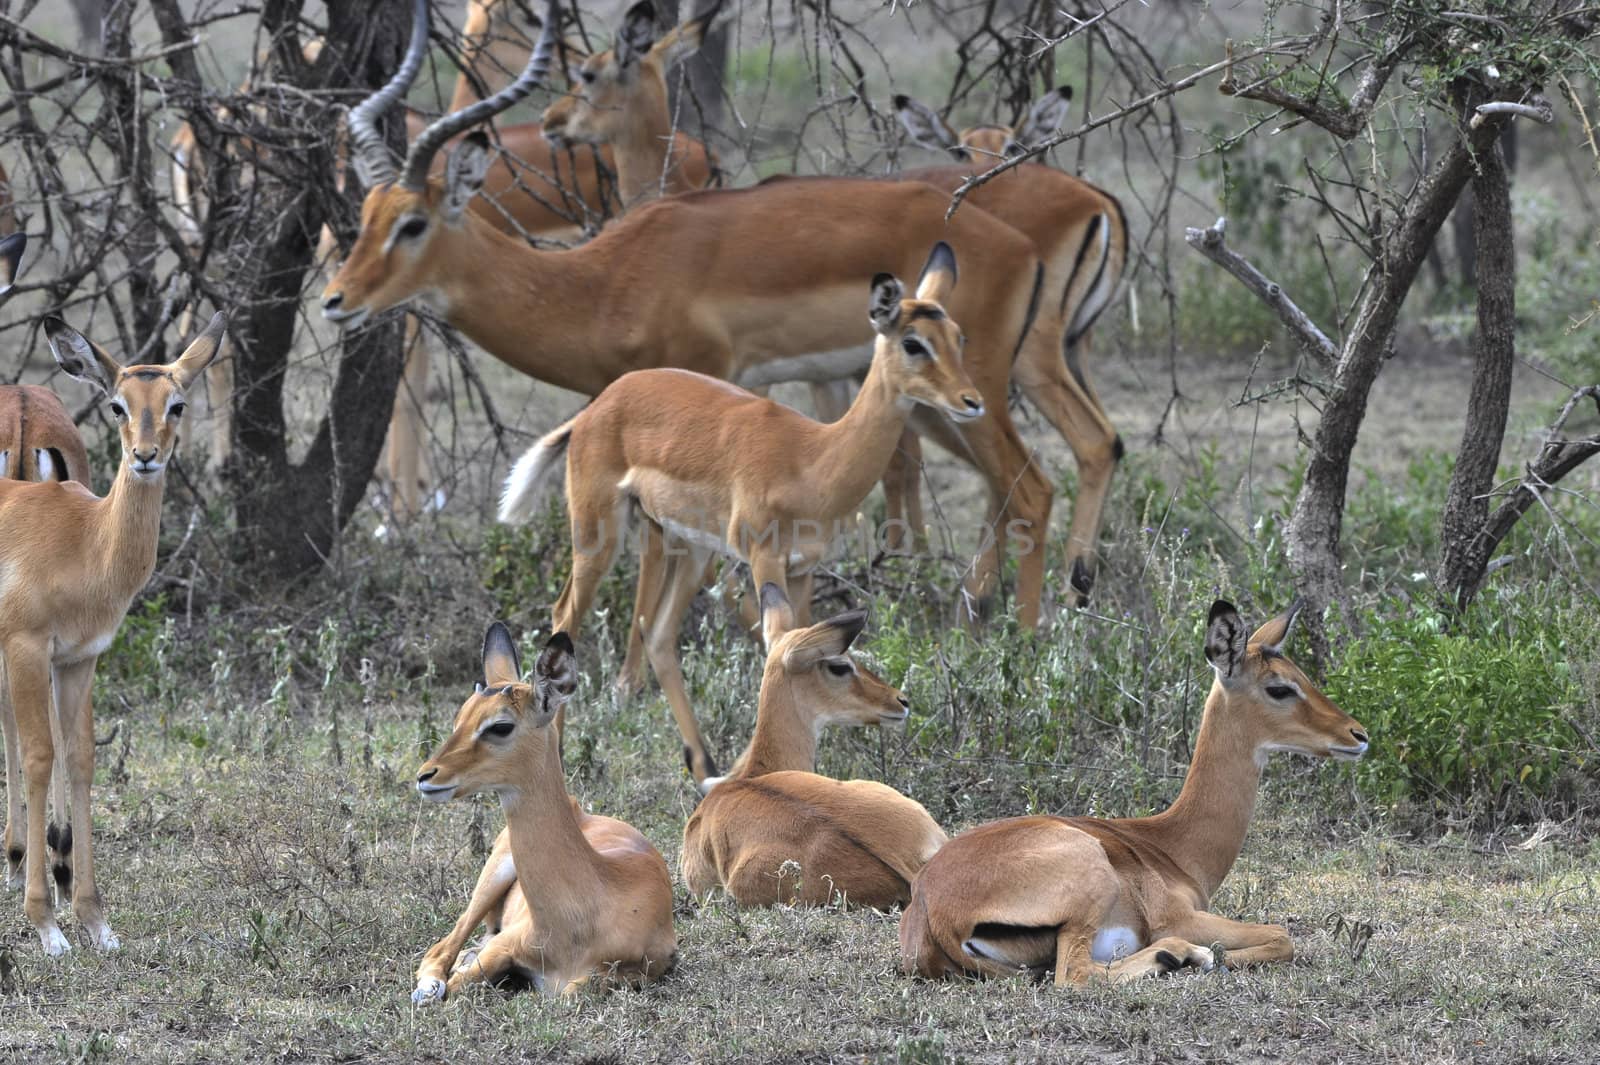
(1478, 718)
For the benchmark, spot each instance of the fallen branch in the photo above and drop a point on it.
(1210, 243)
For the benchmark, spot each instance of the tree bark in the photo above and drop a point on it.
(1312, 538)
(1466, 507)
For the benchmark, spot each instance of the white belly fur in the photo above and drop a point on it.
(1113, 943)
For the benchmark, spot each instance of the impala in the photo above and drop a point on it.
(74, 563)
(1082, 236)
(567, 896)
(752, 283)
(1121, 899)
(11, 248)
(38, 442)
(716, 469)
(775, 832)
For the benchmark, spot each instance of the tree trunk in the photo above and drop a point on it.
(1313, 534)
(1461, 568)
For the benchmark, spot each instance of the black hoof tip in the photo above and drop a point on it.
(1168, 960)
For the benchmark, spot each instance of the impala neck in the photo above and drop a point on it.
(129, 529)
(1204, 830)
(854, 451)
(783, 739)
(561, 875)
(642, 149)
(523, 306)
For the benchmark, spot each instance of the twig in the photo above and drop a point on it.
(1540, 111)
(1210, 243)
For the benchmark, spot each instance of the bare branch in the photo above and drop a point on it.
(1210, 243)
(1540, 111)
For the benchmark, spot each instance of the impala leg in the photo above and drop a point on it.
(28, 677)
(661, 644)
(494, 963)
(799, 591)
(1165, 955)
(1243, 942)
(654, 565)
(407, 427)
(902, 493)
(498, 874)
(1076, 415)
(14, 788)
(73, 684)
(58, 826)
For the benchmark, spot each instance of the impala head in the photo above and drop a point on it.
(405, 212)
(1268, 697)
(504, 729)
(11, 249)
(146, 401)
(984, 143)
(627, 83)
(921, 346)
(813, 667)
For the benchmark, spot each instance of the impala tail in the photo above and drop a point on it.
(525, 488)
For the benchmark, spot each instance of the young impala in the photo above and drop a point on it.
(74, 563)
(755, 284)
(772, 831)
(1082, 235)
(1121, 899)
(717, 469)
(566, 896)
(38, 442)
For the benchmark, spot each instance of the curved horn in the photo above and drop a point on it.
(430, 140)
(371, 154)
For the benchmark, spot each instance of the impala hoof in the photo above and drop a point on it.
(101, 937)
(429, 990)
(55, 944)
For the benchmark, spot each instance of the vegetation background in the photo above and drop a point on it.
(274, 878)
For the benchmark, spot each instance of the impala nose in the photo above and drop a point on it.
(427, 775)
(332, 303)
(905, 703)
(974, 406)
(1360, 736)
(145, 459)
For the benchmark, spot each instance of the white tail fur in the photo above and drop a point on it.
(525, 487)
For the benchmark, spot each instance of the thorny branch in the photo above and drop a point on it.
(1210, 243)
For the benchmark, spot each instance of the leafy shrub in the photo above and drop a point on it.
(1477, 719)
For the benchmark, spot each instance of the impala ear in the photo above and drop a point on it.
(500, 663)
(685, 40)
(1271, 636)
(463, 173)
(636, 35)
(555, 676)
(777, 615)
(81, 357)
(1044, 119)
(884, 310)
(11, 249)
(939, 274)
(188, 367)
(1225, 641)
(830, 639)
(926, 127)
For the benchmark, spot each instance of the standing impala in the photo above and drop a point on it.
(1121, 899)
(38, 442)
(717, 469)
(567, 896)
(773, 831)
(756, 283)
(74, 563)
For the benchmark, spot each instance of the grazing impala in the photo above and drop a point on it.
(567, 896)
(38, 442)
(1121, 899)
(753, 283)
(717, 469)
(74, 563)
(775, 832)
(1082, 236)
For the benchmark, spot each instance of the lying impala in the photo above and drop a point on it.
(567, 896)
(718, 469)
(75, 562)
(1082, 236)
(775, 832)
(1121, 899)
(38, 442)
(751, 283)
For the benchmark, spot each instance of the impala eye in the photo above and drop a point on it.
(914, 347)
(412, 228)
(499, 730)
(586, 76)
(177, 409)
(1281, 691)
(840, 669)
(118, 411)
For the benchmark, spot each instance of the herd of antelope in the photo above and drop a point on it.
(676, 444)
